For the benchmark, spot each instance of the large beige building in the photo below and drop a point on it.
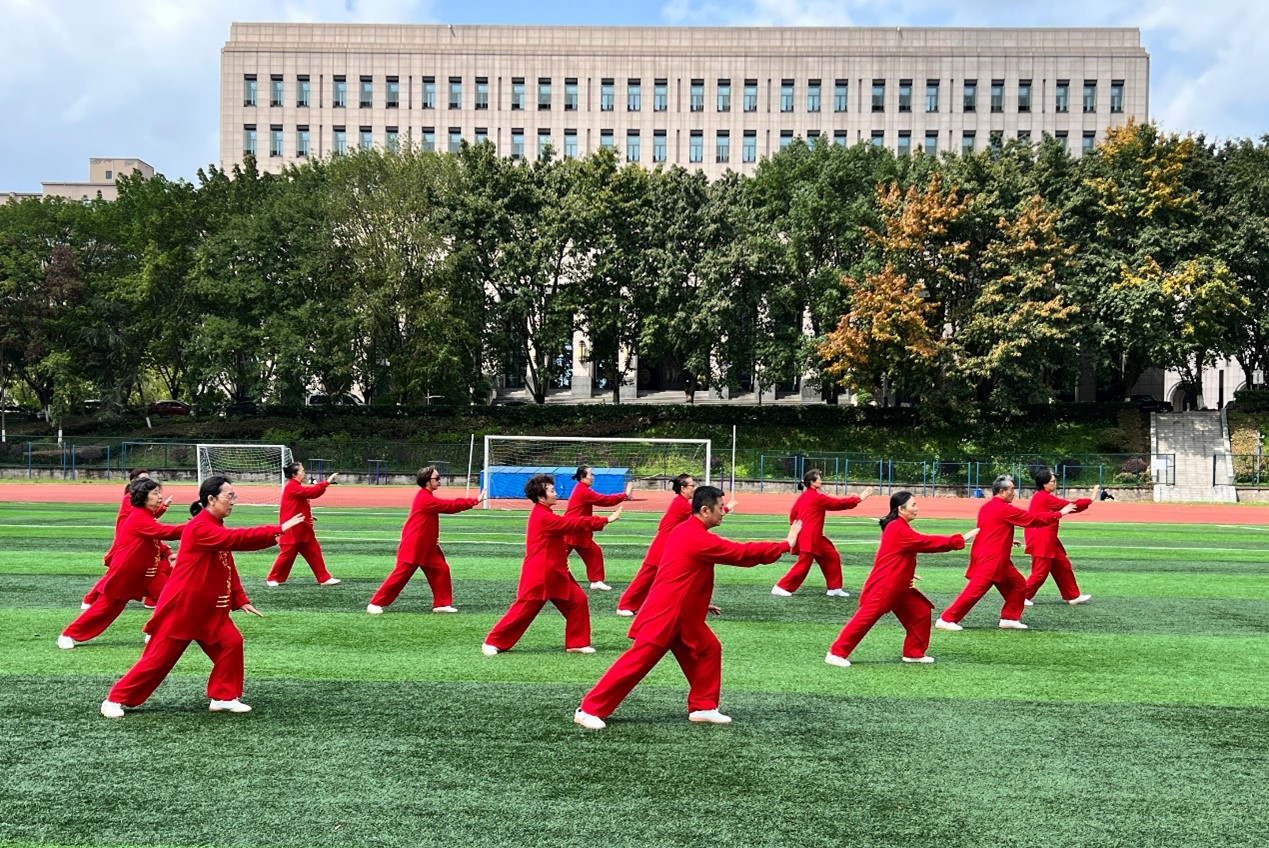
(103, 176)
(708, 98)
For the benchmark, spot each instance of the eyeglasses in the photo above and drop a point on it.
(231, 497)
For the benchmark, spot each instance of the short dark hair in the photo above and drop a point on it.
(580, 472)
(897, 500)
(137, 472)
(1004, 481)
(706, 496)
(207, 490)
(289, 470)
(426, 473)
(1042, 478)
(679, 482)
(808, 478)
(139, 491)
(535, 489)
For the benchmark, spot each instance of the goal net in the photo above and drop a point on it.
(256, 470)
(510, 461)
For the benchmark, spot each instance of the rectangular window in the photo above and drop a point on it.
(302, 91)
(724, 95)
(931, 95)
(660, 96)
(607, 96)
(570, 144)
(1063, 140)
(1089, 141)
(517, 94)
(904, 147)
(878, 138)
(969, 101)
(1116, 96)
(786, 95)
(658, 145)
(482, 135)
(275, 141)
(301, 141)
(517, 145)
(429, 92)
(1090, 96)
(570, 95)
(878, 95)
(634, 95)
(698, 95)
(544, 143)
(813, 95)
(393, 93)
(1024, 135)
(339, 141)
(392, 140)
(632, 145)
(455, 139)
(841, 90)
(751, 95)
(606, 139)
(931, 143)
(840, 138)
(482, 93)
(749, 147)
(786, 138)
(1024, 95)
(455, 92)
(367, 138)
(429, 140)
(1062, 97)
(339, 98)
(367, 92)
(997, 95)
(967, 142)
(696, 147)
(544, 94)
(249, 140)
(249, 90)
(275, 90)
(905, 95)
(722, 147)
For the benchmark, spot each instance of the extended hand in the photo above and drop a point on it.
(614, 515)
(863, 496)
(971, 534)
(629, 489)
(168, 500)
(249, 608)
(731, 505)
(331, 478)
(794, 530)
(291, 522)
(1097, 492)
(716, 610)
(1067, 510)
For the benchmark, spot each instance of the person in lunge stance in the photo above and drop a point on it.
(301, 541)
(125, 509)
(1048, 556)
(814, 546)
(581, 504)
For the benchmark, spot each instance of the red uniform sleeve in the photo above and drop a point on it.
(571, 524)
(1083, 504)
(448, 506)
(217, 536)
(587, 495)
(744, 554)
(162, 509)
(310, 492)
(144, 525)
(1021, 518)
(834, 504)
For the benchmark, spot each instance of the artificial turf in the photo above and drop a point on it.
(1141, 718)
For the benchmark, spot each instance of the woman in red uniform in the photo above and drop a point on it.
(194, 605)
(890, 586)
(420, 548)
(125, 509)
(581, 504)
(813, 545)
(544, 574)
(1048, 555)
(301, 541)
(135, 561)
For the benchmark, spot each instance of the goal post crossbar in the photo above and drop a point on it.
(246, 464)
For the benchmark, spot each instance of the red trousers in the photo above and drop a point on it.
(162, 653)
(93, 621)
(1063, 576)
(312, 553)
(152, 587)
(637, 592)
(703, 669)
(593, 556)
(575, 609)
(911, 608)
(1012, 587)
(830, 563)
(436, 570)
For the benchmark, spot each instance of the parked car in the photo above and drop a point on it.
(340, 399)
(240, 409)
(1148, 403)
(16, 412)
(169, 408)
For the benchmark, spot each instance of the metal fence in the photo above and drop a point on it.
(1250, 469)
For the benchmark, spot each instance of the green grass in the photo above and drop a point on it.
(1138, 719)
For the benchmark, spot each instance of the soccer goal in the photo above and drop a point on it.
(256, 470)
(510, 461)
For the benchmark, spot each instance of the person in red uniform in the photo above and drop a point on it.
(194, 605)
(135, 559)
(419, 548)
(891, 586)
(809, 508)
(679, 510)
(989, 562)
(544, 575)
(301, 541)
(581, 504)
(125, 509)
(1048, 556)
(673, 617)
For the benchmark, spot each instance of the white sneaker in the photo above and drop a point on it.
(588, 721)
(1012, 624)
(374, 609)
(83, 605)
(272, 584)
(586, 649)
(1082, 599)
(837, 593)
(599, 586)
(947, 625)
(780, 593)
(445, 609)
(234, 706)
(331, 581)
(625, 612)
(145, 639)
(488, 650)
(65, 643)
(1027, 602)
(832, 659)
(111, 710)
(709, 717)
(923, 660)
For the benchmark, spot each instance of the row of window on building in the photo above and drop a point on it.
(813, 91)
(365, 139)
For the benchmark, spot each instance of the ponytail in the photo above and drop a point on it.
(897, 500)
(808, 478)
(207, 489)
(581, 472)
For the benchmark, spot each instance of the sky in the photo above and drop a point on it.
(140, 78)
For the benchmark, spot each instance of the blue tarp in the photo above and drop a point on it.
(507, 481)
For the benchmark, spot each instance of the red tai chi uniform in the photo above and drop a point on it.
(1048, 556)
(679, 510)
(299, 540)
(544, 577)
(673, 618)
(136, 559)
(581, 504)
(812, 543)
(989, 561)
(165, 567)
(194, 607)
(419, 549)
(889, 589)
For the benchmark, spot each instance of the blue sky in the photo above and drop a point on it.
(81, 78)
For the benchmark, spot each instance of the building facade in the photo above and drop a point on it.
(103, 175)
(713, 99)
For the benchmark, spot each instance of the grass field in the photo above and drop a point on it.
(1140, 719)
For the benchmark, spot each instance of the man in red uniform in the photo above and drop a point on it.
(544, 574)
(420, 548)
(301, 541)
(673, 618)
(125, 509)
(813, 545)
(581, 504)
(194, 605)
(1048, 555)
(989, 562)
(891, 587)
